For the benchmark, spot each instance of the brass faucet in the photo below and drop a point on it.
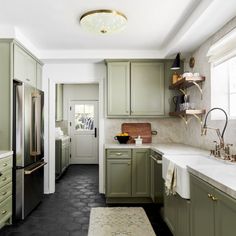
(221, 150)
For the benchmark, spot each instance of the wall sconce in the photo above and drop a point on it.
(191, 62)
(176, 64)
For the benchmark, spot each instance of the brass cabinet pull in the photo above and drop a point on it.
(5, 178)
(214, 198)
(4, 164)
(209, 195)
(118, 153)
(3, 194)
(4, 212)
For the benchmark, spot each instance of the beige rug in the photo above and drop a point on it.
(119, 221)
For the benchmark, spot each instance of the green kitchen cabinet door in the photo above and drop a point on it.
(63, 158)
(202, 208)
(118, 89)
(152, 179)
(39, 76)
(140, 173)
(147, 89)
(24, 68)
(170, 211)
(59, 102)
(225, 214)
(118, 178)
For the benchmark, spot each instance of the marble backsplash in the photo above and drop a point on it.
(168, 129)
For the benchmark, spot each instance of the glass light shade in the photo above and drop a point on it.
(103, 21)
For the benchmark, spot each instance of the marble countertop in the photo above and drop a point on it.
(222, 176)
(63, 137)
(163, 148)
(5, 153)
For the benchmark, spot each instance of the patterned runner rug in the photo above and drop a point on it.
(119, 221)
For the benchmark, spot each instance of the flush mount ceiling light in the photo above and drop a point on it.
(103, 21)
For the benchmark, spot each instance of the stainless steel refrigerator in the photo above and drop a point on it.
(28, 147)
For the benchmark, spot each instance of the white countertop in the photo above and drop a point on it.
(63, 137)
(221, 176)
(163, 148)
(5, 154)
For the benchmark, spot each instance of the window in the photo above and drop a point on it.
(223, 87)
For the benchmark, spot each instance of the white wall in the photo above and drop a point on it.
(69, 74)
(192, 134)
(73, 92)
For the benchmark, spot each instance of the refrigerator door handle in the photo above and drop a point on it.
(35, 146)
(30, 171)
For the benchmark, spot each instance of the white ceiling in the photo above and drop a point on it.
(156, 28)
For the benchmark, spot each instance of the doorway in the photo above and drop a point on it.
(83, 116)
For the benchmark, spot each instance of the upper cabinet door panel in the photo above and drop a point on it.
(39, 76)
(24, 67)
(118, 89)
(19, 64)
(147, 88)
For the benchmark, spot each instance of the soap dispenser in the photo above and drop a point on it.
(138, 141)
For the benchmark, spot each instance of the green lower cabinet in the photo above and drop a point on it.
(213, 212)
(118, 178)
(202, 208)
(140, 173)
(177, 214)
(225, 214)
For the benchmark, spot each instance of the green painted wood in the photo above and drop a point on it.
(225, 214)
(140, 173)
(118, 88)
(5, 92)
(202, 208)
(147, 89)
(118, 178)
(39, 76)
(152, 179)
(59, 102)
(170, 212)
(183, 217)
(25, 68)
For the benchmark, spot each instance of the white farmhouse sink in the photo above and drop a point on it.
(181, 162)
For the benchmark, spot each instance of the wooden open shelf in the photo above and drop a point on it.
(187, 82)
(187, 115)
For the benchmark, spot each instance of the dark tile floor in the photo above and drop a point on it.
(66, 213)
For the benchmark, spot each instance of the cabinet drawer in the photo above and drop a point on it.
(5, 210)
(119, 153)
(5, 163)
(5, 192)
(6, 177)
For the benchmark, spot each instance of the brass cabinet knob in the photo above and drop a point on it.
(209, 195)
(4, 164)
(129, 163)
(5, 178)
(4, 212)
(214, 198)
(3, 194)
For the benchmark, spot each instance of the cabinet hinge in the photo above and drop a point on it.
(70, 123)
(70, 155)
(70, 139)
(70, 108)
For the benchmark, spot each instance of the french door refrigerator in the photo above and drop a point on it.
(28, 147)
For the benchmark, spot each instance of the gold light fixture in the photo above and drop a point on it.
(103, 21)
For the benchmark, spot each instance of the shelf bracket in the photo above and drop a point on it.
(183, 91)
(185, 119)
(199, 118)
(198, 86)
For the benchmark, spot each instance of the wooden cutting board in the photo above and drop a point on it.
(136, 129)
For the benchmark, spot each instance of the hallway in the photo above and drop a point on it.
(66, 213)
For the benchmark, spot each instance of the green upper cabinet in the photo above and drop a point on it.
(118, 89)
(59, 102)
(25, 67)
(147, 89)
(39, 76)
(135, 89)
(140, 173)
